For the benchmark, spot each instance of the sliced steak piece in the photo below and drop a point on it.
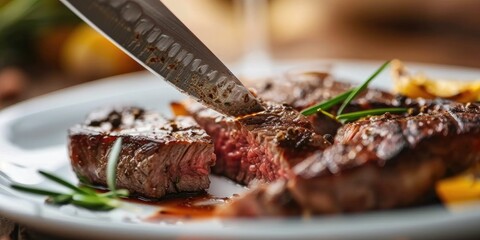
(376, 163)
(262, 146)
(158, 156)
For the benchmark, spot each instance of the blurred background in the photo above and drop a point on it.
(44, 47)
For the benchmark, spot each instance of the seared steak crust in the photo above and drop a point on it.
(262, 146)
(309, 88)
(377, 163)
(158, 156)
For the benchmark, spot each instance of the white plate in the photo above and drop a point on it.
(33, 133)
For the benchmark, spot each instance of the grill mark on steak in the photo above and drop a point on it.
(377, 163)
(259, 147)
(158, 156)
(380, 138)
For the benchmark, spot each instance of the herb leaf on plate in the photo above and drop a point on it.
(84, 197)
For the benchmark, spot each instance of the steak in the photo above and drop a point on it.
(250, 148)
(158, 156)
(259, 147)
(376, 163)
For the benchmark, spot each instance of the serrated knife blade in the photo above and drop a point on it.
(151, 34)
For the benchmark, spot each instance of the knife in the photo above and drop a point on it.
(152, 35)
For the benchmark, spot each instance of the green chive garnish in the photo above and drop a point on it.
(360, 88)
(349, 117)
(326, 105)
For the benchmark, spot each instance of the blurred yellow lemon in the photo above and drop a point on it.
(89, 55)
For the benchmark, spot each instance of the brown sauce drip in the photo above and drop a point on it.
(186, 208)
(178, 207)
(181, 207)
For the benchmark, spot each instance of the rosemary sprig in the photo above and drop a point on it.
(345, 98)
(112, 165)
(118, 193)
(326, 105)
(63, 182)
(60, 199)
(349, 117)
(360, 88)
(35, 190)
(84, 196)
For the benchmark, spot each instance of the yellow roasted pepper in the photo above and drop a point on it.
(459, 189)
(420, 86)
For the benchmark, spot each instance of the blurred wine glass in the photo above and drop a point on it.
(255, 59)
